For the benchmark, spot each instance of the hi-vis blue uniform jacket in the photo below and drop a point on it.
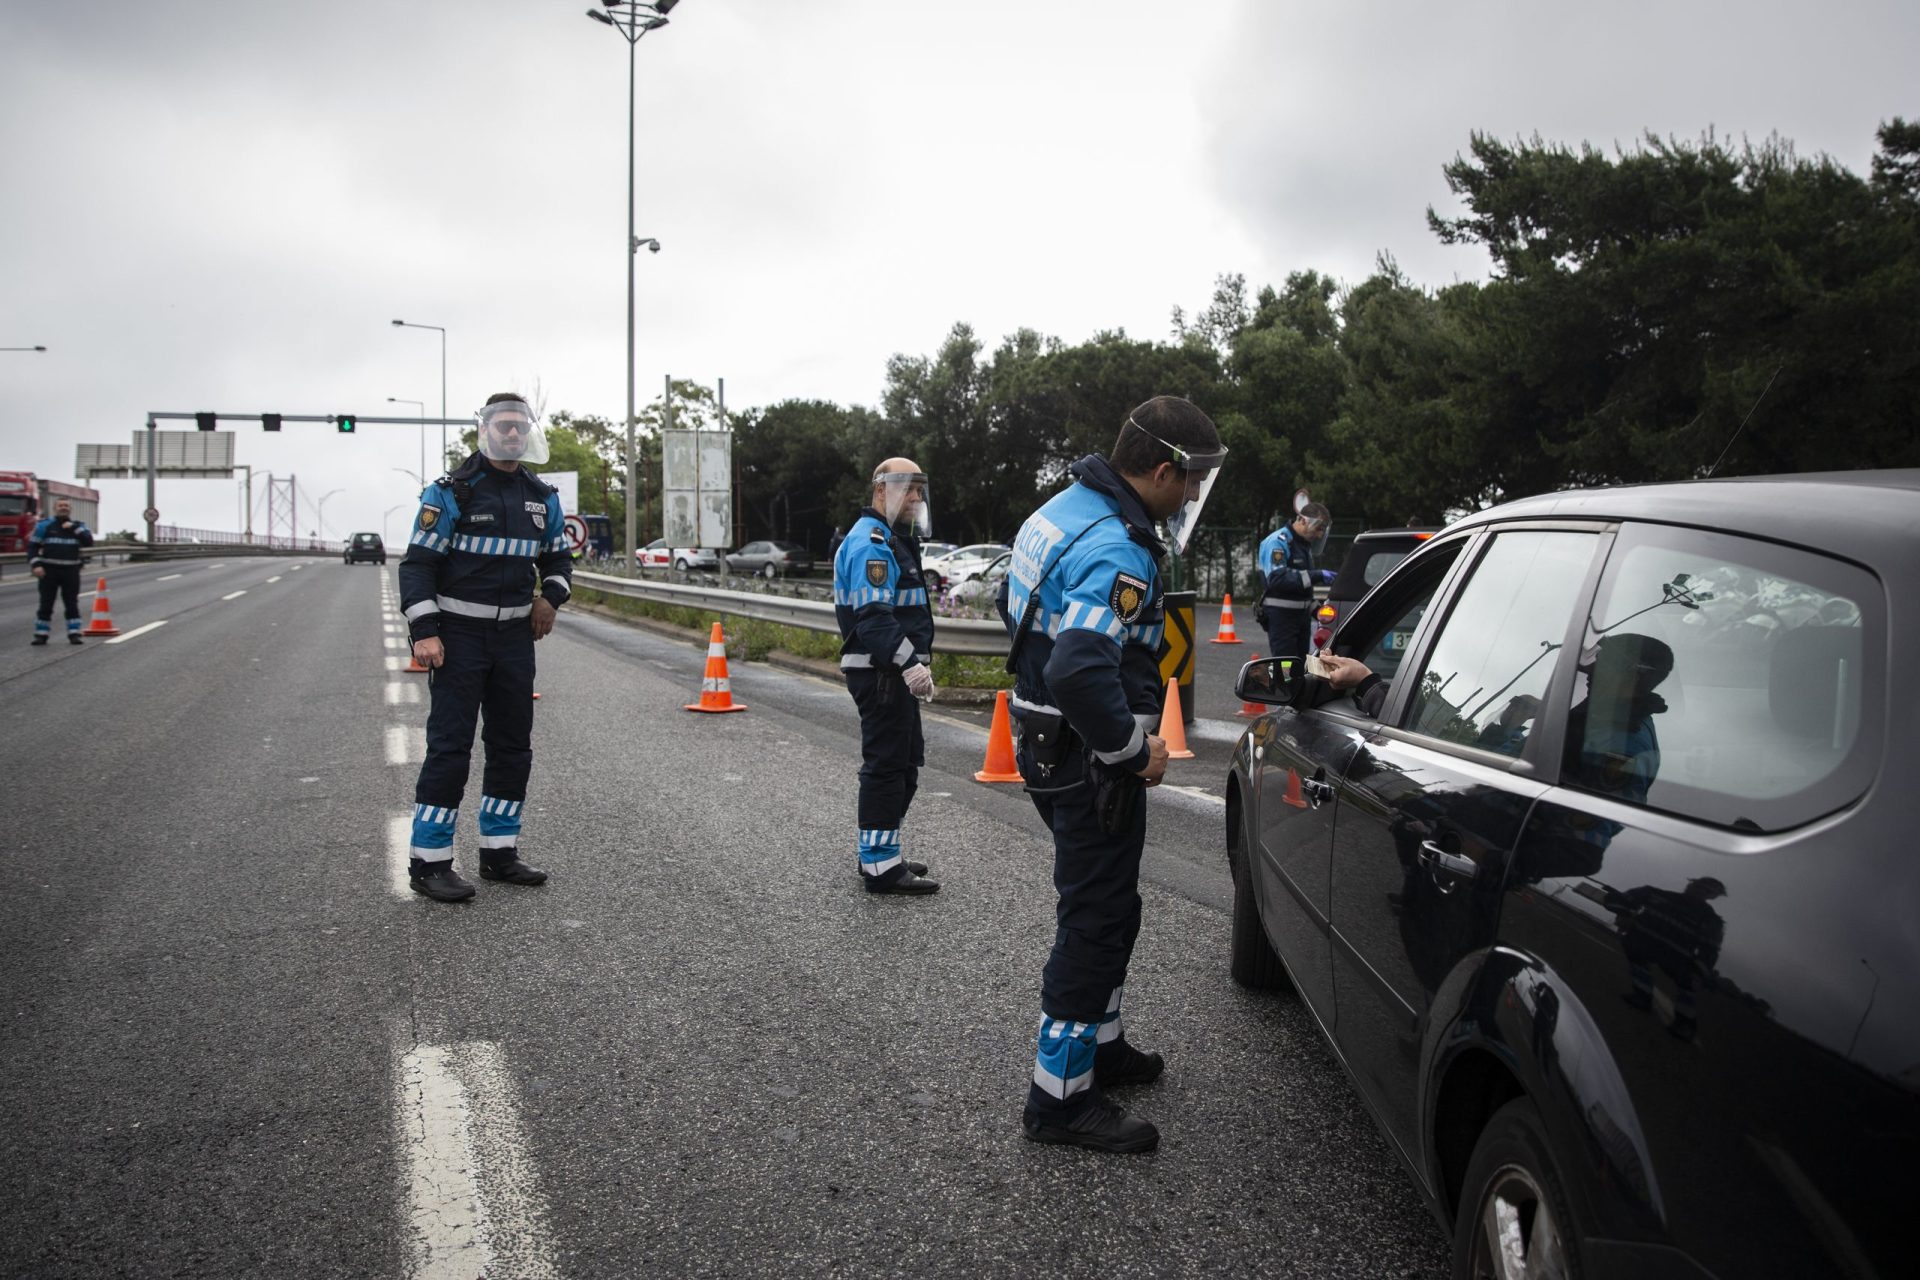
(1288, 565)
(479, 535)
(1093, 651)
(54, 547)
(879, 597)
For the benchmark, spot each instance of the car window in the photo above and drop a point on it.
(1494, 655)
(1381, 632)
(1378, 563)
(1725, 679)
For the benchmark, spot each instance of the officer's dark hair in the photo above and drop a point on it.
(1173, 419)
(500, 396)
(1315, 513)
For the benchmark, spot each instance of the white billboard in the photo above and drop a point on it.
(697, 486)
(206, 455)
(568, 484)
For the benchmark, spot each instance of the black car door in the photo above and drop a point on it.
(1433, 799)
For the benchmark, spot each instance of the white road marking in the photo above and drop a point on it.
(394, 628)
(233, 595)
(166, 577)
(212, 567)
(298, 567)
(397, 664)
(472, 1196)
(137, 631)
(399, 691)
(406, 744)
(274, 578)
(398, 645)
(399, 841)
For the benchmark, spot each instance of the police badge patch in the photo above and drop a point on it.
(877, 572)
(429, 516)
(538, 510)
(1128, 597)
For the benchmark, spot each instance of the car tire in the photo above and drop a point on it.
(1511, 1183)
(768, 572)
(680, 564)
(1254, 964)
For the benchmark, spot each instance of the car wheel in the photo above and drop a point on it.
(1254, 963)
(1514, 1221)
(681, 564)
(768, 572)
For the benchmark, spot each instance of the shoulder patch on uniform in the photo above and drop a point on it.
(877, 572)
(429, 516)
(877, 536)
(1128, 597)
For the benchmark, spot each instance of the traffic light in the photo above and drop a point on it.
(270, 421)
(344, 421)
(204, 421)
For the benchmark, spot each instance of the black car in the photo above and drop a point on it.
(1370, 556)
(365, 546)
(1611, 910)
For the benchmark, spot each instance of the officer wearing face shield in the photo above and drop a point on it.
(886, 643)
(1085, 608)
(1286, 561)
(483, 535)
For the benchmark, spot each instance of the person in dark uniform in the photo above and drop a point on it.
(1084, 605)
(53, 549)
(886, 643)
(483, 535)
(1286, 560)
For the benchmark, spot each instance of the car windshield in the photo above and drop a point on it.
(365, 539)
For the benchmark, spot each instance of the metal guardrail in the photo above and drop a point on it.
(975, 637)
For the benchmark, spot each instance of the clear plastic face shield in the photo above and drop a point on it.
(509, 433)
(1201, 470)
(901, 499)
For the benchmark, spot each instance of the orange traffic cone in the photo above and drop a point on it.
(1293, 796)
(102, 624)
(414, 665)
(1225, 634)
(1000, 766)
(1173, 725)
(1251, 709)
(716, 692)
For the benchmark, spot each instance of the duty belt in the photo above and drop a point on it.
(492, 612)
(1275, 602)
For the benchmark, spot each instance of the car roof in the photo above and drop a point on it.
(1871, 516)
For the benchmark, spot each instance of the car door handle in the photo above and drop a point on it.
(1317, 790)
(1436, 857)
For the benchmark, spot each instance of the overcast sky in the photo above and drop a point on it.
(217, 204)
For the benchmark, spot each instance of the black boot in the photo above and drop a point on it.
(1119, 1063)
(907, 882)
(505, 866)
(39, 639)
(914, 868)
(73, 637)
(1098, 1126)
(439, 881)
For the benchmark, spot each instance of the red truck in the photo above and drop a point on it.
(26, 500)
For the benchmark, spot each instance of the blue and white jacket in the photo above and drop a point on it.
(55, 547)
(879, 598)
(479, 537)
(1287, 564)
(1093, 651)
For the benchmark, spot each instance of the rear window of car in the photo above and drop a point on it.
(1728, 680)
(1377, 563)
(365, 539)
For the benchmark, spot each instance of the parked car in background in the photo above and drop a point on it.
(658, 555)
(1368, 559)
(770, 559)
(979, 588)
(1608, 909)
(364, 546)
(957, 565)
(930, 551)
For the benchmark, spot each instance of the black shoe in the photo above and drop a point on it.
(440, 882)
(1119, 1063)
(39, 640)
(505, 866)
(911, 882)
(1098, 1126)
(74, 638)
(915, 868)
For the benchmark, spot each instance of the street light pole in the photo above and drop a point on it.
(408, 324)
(386, 538)
(632, 20)
(423, 428)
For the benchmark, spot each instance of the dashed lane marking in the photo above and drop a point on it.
(233, 595)
(274, 578)
(396, 664)
(397, 644)
(402, 692)
(166, 577)
(406, 744)
(137, 631)
(399, 842)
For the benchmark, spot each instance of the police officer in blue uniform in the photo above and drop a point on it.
(467, 588)
(53, 550)
(1085, 609)
(1286, 560)
(886, 643)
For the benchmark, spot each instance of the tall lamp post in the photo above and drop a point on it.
(408, 324)
(422, 408)
(386, 537)
(632, 20)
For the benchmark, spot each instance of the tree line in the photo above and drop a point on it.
(1663, 312)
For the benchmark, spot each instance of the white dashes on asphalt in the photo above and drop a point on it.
(233, 595)
(166, 577)
(406, 744)
(472, 1198)
(396, 664)
(399, 842)
(274, 578)
(398, 645)
(137, 631)
(399, 691)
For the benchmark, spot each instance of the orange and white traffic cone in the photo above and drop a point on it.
(1000, 764)
(1173, 725)
(1293, 796)
(1252, 709)
(716, 691)
(102, 624)
(1224, 635)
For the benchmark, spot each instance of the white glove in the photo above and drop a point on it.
(919, 681)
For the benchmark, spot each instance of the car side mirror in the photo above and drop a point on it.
(1276, 682)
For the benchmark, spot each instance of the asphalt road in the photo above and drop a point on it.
(234, 1044)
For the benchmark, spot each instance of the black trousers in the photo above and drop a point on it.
(487, 670)
(892, 750)
(62, 580)
(1289, 631)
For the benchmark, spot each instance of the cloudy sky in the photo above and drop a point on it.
(218, 204)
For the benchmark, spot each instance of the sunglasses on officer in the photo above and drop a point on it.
(518, 426)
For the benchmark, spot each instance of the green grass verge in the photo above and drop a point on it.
(751, 640)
